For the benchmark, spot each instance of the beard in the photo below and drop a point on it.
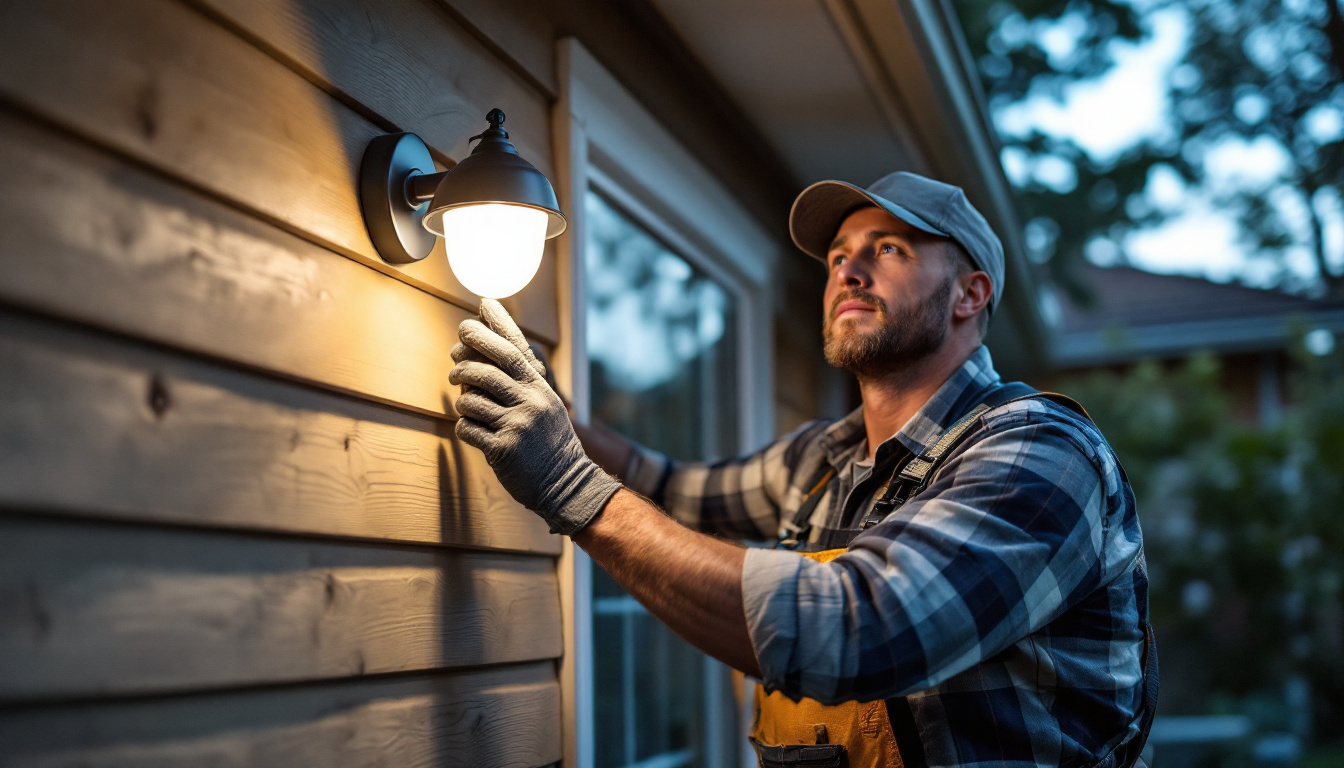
(903, 337)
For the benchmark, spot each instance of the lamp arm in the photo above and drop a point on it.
(420, 187)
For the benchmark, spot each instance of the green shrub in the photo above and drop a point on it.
(1244, 532)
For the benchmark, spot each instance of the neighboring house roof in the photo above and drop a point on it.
(1139, 314)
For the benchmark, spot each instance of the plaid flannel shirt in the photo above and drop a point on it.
(1007, 601)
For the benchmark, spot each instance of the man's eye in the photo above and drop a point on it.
(886, 248)
(837, 261)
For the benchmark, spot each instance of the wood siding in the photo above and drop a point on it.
(235, 527)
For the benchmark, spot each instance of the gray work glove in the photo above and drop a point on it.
(513, 416)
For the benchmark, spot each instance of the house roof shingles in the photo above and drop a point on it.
(1139, 314)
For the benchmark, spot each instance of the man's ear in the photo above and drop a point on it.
(976, 290)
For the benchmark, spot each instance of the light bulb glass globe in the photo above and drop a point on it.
(494, 248)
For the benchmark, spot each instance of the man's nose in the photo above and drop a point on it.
(852, 273)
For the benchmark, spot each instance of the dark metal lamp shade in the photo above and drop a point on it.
(494, 173)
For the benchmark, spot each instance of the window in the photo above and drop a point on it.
(663, 371)
(668, 298)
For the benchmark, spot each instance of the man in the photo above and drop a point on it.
(998, 610)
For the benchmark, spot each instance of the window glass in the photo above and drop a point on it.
(659, 341)
(662, 369)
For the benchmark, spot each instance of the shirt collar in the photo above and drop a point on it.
(961, 392)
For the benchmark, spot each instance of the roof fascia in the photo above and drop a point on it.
(1248, 334)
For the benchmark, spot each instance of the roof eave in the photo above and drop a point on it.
(1120, 345)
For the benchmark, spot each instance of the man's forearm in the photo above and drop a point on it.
(689, 581)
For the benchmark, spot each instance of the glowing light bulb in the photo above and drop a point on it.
(494, 248)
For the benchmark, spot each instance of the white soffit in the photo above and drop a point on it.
(631, 147)
(788, 67)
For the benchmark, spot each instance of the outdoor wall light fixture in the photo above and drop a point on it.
(494, 210)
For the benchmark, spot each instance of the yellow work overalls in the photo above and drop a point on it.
(861, 730)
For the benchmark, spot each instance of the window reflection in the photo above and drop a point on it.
(658, 341)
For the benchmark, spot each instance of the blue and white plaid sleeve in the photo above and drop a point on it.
(1011, 532)
(738, 498)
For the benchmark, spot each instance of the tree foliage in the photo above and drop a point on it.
(1243, 531)
(1253, 70)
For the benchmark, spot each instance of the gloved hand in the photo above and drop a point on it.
(510, 413)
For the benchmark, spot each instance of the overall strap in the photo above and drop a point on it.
(908, 480)
(794, 532)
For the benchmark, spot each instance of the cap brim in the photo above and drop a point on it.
(819, 210)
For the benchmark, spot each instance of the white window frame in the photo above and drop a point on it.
(605, 140)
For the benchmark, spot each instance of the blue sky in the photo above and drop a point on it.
(1129, 105)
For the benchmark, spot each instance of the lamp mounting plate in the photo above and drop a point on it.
(393, 220)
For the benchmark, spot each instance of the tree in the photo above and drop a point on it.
(1243, 534)
(1253, 71)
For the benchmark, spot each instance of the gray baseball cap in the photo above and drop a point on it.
(935, 207)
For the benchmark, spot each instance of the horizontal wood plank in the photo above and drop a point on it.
(129, 251)
(406, 61)
(162, 83)
(499, 718)
(520, 29)
(96, 426)
(91, 609)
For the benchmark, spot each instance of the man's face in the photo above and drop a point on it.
(887, 294)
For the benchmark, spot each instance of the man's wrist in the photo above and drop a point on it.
(588, 490)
